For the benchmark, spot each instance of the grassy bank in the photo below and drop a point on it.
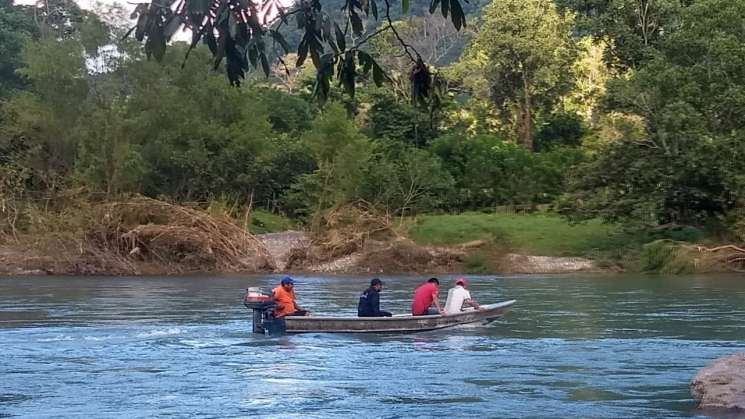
(537, 233)
(267, 222)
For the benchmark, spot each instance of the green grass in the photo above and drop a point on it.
(266, 222)
(537, 234)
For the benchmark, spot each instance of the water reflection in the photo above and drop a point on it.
(585, 346)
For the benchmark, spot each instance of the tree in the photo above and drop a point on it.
(392, 118)
(489, 171)
(630, 29)
(199, 137)
(39, 123)
(107, 160)
(686, 165)
(16, 28)
(341, 154)
(403, 180)
(521, 59)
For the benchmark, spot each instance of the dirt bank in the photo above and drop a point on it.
(290, 251)
(139, 236)
(296, 252)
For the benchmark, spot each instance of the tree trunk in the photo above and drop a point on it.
(525, 118)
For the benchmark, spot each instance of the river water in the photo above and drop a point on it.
(573, 346)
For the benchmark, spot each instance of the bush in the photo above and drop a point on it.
(666, 256)
(560, 129)
(491, 172)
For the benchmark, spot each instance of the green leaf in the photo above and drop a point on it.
(348, 73)
(302, 53)
(378, 74)
(433, 6)
(232, 26)
(366, 61)
(445, 8)
(374, 6)
(327, 30)
(264, 63)
(219, 52)
(172, 26)
(156, 44)
(315, 49)
(323, 77)
(129, 32)
(405, 6)
(300, 17)
(209, 39)
(280, 39)
(140, 9)
(142, 24)
(340, 38)
(198, 6)
(253, 56)
(357, 27)
(457, 15)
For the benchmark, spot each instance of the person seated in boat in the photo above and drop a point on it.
(459, 297)
(284, 298)
(426, 299)
(369, 305)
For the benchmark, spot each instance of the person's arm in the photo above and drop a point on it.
(294, 303)
(435, 299)
(471, 302)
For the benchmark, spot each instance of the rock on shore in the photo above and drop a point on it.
(721, 384)
(528, 264)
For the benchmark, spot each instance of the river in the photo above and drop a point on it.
(573, 346)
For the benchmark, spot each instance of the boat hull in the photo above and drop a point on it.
(395, 324)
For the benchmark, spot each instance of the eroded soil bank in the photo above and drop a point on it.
(290, 251)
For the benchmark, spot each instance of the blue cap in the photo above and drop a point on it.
(287, 280)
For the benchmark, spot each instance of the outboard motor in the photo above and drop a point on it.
(262, 307)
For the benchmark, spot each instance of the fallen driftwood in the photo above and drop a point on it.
(179, 239)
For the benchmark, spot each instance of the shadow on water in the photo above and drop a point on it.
(583, 346)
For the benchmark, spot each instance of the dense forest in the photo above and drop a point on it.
(628, 111)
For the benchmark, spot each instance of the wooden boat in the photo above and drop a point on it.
(395, 324)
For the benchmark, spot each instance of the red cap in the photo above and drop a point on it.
(461, 281)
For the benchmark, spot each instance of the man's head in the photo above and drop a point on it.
(462, 282)
(287, 283)
(377, 284)
(434, 281)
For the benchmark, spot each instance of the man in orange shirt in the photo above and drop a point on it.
(284, 298)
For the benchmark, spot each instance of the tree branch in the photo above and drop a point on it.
(403, 43)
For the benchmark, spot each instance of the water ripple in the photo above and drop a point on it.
(601, 347)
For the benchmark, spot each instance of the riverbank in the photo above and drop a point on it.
(142, 236)
(291, 252)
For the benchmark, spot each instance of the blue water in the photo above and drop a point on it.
(573, 346)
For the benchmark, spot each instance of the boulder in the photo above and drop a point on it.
(721, 384)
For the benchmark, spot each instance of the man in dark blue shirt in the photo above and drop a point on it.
(369, 305)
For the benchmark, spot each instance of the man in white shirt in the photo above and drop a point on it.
(459, 296)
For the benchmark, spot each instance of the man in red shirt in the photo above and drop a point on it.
(425, 297)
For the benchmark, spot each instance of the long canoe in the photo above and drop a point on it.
(395, 324)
